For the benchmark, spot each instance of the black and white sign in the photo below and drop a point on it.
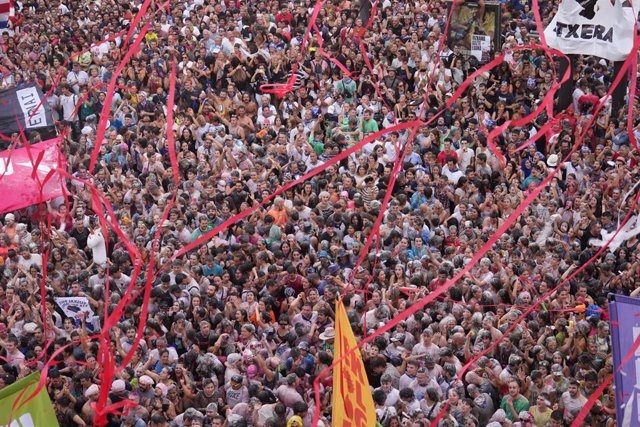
(481, 47)
(74, 306)
(23, 108)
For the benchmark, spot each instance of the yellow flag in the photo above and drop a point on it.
(352, 400)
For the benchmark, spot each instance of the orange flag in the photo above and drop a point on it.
(352, 400)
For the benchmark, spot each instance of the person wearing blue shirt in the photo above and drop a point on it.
(210, 268)
(418, 198)
(418, 248)
(300, 358)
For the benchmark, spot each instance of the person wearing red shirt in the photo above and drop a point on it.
(440, 280)
(447, 151)
(284, 15)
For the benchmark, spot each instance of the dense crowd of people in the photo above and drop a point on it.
(237, 329)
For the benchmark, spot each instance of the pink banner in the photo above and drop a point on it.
(29, 175)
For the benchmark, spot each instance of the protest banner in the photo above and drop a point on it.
(74, 306)
(24, 108)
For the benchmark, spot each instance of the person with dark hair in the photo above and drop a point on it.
(67, 417)
(157, 420)
(383, 412)
(572, 400)
(557, 419)
(541, 411)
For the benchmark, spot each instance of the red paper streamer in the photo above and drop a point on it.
(109, 220)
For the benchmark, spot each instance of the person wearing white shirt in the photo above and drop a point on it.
(68, 103)
(573, 166)
(54, 101)
(182, 232)
(465, 155)
(304, 212)
(289, 106)
(264, 101)
(185, 65)
(13, 356)
(27, 259)
(161, 344)
(165, 27)
(295, 150)
(451, 171)
(409, 400)
(336, 108)
(312, 161)
(230, 41)
(267, 118)
(63, 9)
(580, 90)
(422, 382)
(390, 152)
(100, 50)
(96, 243)
(410, 373)
(393, 394)
(77, 78)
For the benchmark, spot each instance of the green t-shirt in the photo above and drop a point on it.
(369, 127)
(347, 89)
(520, 404)
(197, 233)
(317, 146)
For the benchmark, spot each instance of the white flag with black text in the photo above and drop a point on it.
(593, 27)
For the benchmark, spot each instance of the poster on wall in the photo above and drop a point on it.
(472, 28)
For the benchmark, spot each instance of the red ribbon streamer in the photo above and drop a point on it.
(109, 219)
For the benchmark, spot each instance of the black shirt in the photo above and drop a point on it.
(81, 236)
